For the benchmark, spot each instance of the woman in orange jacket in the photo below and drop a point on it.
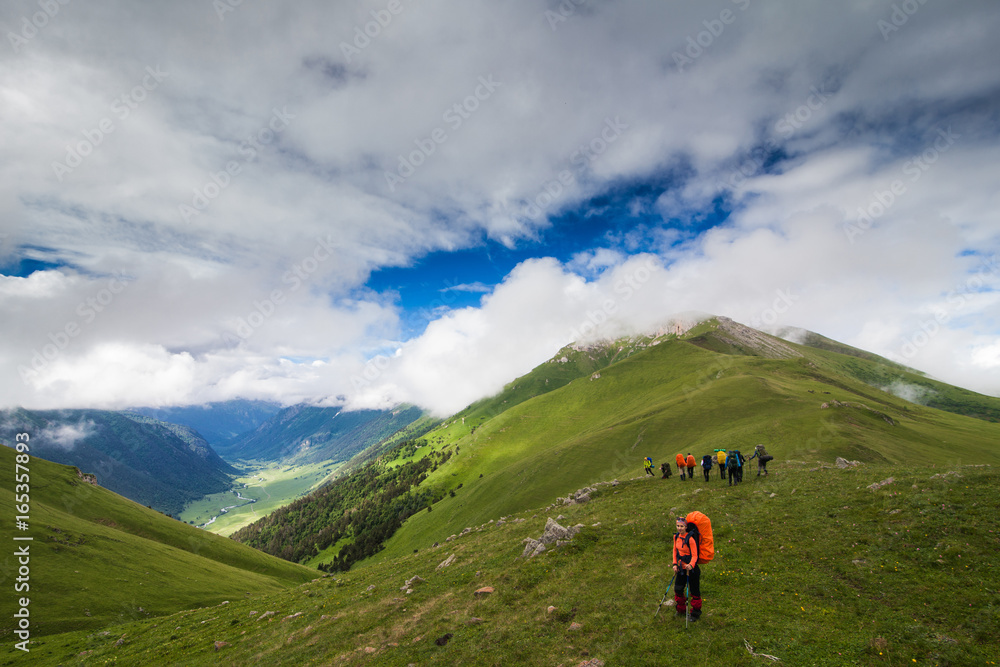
(681, 465)
(686, 568)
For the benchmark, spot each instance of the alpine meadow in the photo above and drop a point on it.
(871, 540)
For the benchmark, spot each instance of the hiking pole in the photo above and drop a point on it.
(665, 593)
(687, 607)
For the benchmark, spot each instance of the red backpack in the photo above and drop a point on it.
(703, 536)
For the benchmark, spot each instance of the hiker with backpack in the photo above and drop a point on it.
(691, 463)
(647, 463)
(665, 468)
(706, 464)
(681, 465)
(760, 453)
(734, 466)
(720, 458)
(693, 545)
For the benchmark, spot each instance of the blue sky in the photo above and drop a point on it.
(198, 205)
(620, 219)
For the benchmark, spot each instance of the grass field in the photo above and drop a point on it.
(811, 567)
(271, 485)
(97, 558)
(678, 398)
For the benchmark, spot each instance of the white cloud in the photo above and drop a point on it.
(288, 142)
(66, 436)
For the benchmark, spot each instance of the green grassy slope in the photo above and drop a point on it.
(98, 558)
(900, 380)
(811, 567)
(679, 397)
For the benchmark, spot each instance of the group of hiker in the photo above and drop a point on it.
(730, 464)
(693, 544)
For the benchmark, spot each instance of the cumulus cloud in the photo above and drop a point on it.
(205, 196)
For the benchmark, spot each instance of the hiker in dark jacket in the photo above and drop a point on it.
(760, 453)
(734, 467)
(706, 464)
(665, 467)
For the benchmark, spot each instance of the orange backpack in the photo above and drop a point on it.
(704, 539)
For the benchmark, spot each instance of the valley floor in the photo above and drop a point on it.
(260, 489)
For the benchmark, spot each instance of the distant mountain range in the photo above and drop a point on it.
(307, 434)
(217, 422)
(154, 463)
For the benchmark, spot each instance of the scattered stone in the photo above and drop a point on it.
(370, 588)
(595, 525)
(121, 640)
(475, 620)
(550, 609)
(266, 614)
(446, 562)
(895, 511)
(325, 617)
(219, 645)
(465, 531)
(558, 518)
(253, 613)
(290, 617)
(773, 495)
(844, 463)
(575, 626)
(532, 548)
(878, 485)
(450, 538)
(370, 649)
(484, 591)
(591, 663)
